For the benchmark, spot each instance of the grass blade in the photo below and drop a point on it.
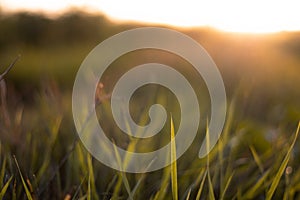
(210, 188)
(174, 164)
(9, 67)
(227, 185)
(201, 186)
(257, 159)
(2, 171)
(89, 189)
(252, 192)
(164, 185)
(282, 167)
(117, 187)
(210, 185)
(4, 189)
(223, 141)
(122, 174)
(139, 181)
(92, 177)
(28, 194)
(126, 184)
(78, 189)
(189, 194)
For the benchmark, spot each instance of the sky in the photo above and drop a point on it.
(255, 16)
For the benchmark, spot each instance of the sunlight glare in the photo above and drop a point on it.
(232, 15)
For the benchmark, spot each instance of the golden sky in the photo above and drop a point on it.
(255, 16)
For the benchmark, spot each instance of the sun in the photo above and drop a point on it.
(231, 15)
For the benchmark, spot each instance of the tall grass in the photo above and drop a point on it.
(173, 164)
(51, 163)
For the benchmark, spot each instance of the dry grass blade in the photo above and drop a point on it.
(282, 167)
(189, 194)
(9, 68)
(174, 164)
(3, 107)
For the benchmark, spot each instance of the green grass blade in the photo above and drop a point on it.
(257, 159)
(130, 148)
(137, 185)
(2, 172)
(117, 187)
(54, 130)
(92, 177)
(89, 189)
(223, 141)
(210, 188)
(201, 186)
(111, 183)
(161, 193)
(227, 185)
(164, 185)
(252, 192)
(210, 185)
(14, 192)
(78, 189)
(81, 157)
(282, 167)
(174, 164)
(127, 186)
(139, 182)
(239, 194)
(28, 194)
(195, 183)
(122, 174)
(4, 189)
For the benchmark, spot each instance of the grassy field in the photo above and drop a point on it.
(41, 156)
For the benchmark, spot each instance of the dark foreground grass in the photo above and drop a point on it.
(42, 158)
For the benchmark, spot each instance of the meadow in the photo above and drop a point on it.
(42, 157)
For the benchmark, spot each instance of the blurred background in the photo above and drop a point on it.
(255, 51)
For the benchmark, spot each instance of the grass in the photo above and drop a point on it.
(282, 167)
(28, 193)
(50, 162)
(40, 169)
(173, 164)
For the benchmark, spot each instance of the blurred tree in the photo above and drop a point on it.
(36, 30)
